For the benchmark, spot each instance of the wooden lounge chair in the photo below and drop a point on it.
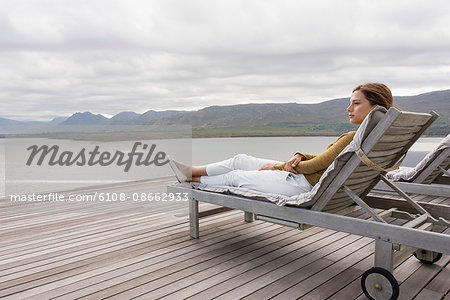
(431, 176)
(381, 141)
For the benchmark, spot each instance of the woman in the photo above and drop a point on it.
(302, 171)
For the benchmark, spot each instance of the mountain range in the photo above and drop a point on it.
(325, 118)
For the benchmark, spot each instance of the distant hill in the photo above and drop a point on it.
(438, 101)
(85, 118)
(4, 121)
(7, 122)
(125, 117)
(122, 118)
(57, 120)
(151, 115)
(327, 117)
(254, 119)
(245, 115)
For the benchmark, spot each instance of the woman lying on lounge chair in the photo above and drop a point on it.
(301, 172)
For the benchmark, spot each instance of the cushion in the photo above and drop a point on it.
(409, 174)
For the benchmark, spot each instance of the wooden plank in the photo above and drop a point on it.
(334, 205)
(292, 256)
(286, 282)
(353, 289)
(362, 170)
(213, 211)
(429, 295)
(270, 277)
(439, 284)
(396, 138)
(334, 209)
(334, 281)
(384, 160)
(148, 270)
(389, 145)
(30, 243)
(406, 267)
(40, 248)
(383, 152)
(435, 210)
(357, 188)
(136, 273)
(417, 188)
(350, 290)
(87, 263)
(69, 250)
(306, 279)
(149, 254)
(417, 281)
(329, 288)
(312, 282)
(203, 273)
(447, 297)
(163, 226)
(401, 130)
(411, 118)
(83, 227)
(360, 180)
(432, 116)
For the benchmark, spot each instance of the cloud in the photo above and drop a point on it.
(59, 57)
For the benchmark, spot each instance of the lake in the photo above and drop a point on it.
(27, 179)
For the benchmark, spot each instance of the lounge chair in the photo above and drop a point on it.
(429, 177)
(382, 139)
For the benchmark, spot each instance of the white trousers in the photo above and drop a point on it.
(242, 171)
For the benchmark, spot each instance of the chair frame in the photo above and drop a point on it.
(388, 237)
(429, 181)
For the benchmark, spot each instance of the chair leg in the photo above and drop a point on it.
(384, 255)
(248, 217)
(378, 282)
(193, 218)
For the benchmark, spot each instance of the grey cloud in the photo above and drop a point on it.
(59, 57)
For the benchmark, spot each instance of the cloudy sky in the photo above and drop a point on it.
(107, 56)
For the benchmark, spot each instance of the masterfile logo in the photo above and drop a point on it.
(53, 156)
(69, 157)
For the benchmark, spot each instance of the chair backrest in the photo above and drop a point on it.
(391, 137)
(439, 158)
(438, 173)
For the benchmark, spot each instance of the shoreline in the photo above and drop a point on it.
(201, 137)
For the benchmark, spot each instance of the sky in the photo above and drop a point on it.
(107, 56)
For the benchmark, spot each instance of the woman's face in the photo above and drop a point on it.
(359, 107)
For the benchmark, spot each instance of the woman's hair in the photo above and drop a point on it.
(376, 93)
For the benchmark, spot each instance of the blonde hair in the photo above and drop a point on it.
(377, 93)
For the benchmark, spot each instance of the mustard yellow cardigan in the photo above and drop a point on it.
(313, 166)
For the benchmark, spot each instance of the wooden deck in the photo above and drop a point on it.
(124, 250)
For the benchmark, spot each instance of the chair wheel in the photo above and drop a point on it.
(379, 283)
(427, 257)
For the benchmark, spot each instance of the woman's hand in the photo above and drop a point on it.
(267, 166)
(292, 163)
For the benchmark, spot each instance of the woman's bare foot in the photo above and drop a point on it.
(196, 179)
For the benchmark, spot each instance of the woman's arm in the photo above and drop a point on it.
(293, 162)
(315, 163)
(323, 160)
